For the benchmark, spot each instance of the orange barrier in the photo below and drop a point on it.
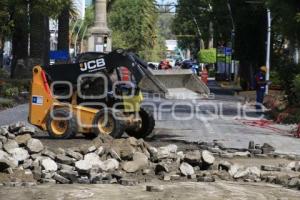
(204, 76)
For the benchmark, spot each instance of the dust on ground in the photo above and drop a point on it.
(188, 190)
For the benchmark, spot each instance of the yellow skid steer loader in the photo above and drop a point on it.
(97, 96)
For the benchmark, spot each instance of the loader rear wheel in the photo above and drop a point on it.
(147, 126)
(60, 125)
(109, 122)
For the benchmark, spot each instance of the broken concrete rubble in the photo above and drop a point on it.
(49, 165)
(19, 154)
(35, 145)
(186, 169)
(193, 157)
(23, 139)
(124, 161)
(140, 161)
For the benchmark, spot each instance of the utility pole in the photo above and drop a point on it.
(268, 48)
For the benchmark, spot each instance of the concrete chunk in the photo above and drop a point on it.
(109, 165)
(49, 165)
(60, 179)
(193, 157)
(35, 145)
(10, 145)
(16, 126)
(207, 157)
(6, 161)
(26, 130)
(69, 174)
(140, 161)
(19, 154)
(23, 139)
(64, 159)
(186, 169)
(73, 154)
(154, 188)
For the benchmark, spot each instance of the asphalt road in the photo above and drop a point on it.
(200, 120)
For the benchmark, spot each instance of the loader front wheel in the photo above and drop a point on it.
(109, 122)
(147, 126)
(61, 124)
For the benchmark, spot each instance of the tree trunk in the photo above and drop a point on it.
(63, 30)
(20, 46)
(39, 38)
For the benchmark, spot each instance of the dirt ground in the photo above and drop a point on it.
(251, 95)
(188, 191)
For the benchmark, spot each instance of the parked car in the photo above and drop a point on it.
(153, 65)
(191, 64)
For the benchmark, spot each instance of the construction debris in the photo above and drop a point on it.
(129, 161)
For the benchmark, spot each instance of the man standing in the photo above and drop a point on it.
(260, 80)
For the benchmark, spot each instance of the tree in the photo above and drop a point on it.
(285, 24)
(194, 24)
(17, 23)
(250, 41)
(164, 23)
(19, 16)
(39, 37)
(67, 13)
(133, 23)
(40, 11)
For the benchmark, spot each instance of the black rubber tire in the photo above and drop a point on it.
(148, 124)
(72, 127)
(116, 116)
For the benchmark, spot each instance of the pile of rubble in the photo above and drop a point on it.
(126, 161)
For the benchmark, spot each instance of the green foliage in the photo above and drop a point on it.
(287, 72)
(133, 23)
(293, 118)
(50, 8)
(12, 88)
(192, 21)
(296, 88)
(275, 78)
(89, 16)
(3, 74)
(10, 10)
(8, 90)
(164, 26)
(6, 24)
(285, 16)
(207, 56)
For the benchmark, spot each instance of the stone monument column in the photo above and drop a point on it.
(100, 35)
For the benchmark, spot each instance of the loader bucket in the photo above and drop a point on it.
(151, 84)
(174, 84)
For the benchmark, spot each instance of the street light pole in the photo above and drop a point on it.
(268, 48)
